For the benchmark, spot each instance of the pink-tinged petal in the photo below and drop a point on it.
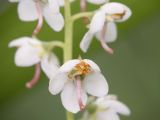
(93, 65)
(27, 10)
(54, 20)
(61, 2)
(69, 65)
(107, 115)
(50, 65)
(69, 98)
(57, 82)
(110, 33)
(97, 22)
(96, 84)
(86, 41)
(97, 2)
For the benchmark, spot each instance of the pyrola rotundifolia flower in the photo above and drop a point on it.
(30, 10)
(33, 52)
(103, 26)
(75, 79)
(106, 108)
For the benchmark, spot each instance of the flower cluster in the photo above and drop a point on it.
(77, 79)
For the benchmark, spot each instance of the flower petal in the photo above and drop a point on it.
(110, 34)
(117, 8)
(97, 22)
(14, 0)
(54, 20)
(97, 2)
(27, 10)
(27, 56)
(93, 65)
(95, 84)
(19, 42)
(53, 5)
(57, 82)
(69, 65)
(61, 2)
(69, 98)
(107, 115)
(50, 65)
(86, 41)
(118, 107)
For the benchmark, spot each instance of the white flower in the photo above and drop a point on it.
(30, 10)
(75, 79)
(108, 108)
(97, 1)
(31, 51)
(103, 27)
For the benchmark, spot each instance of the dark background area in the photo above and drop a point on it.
(133, 72)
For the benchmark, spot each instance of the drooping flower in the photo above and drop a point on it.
(103, 25)
(106, 108)
(74, 80)
(83, 6)
(31, 10)
(30, 51)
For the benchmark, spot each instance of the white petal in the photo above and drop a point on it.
(69, 98)
(95, 84)
(14, 0)
(61, 2)
(53, 5)
(118, 107)
(110, 34)
(50, 65)
(107, 115)
(86, 41)
(93, 65)
(54, 20)
(57, 82)
(97, 2)
(19, 42)
(69, 65)
(97, 22)
(27, 10)
(27, 56)
(117, 8)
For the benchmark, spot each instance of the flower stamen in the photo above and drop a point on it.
(83, 68)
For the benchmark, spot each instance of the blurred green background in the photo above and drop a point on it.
(133, 72)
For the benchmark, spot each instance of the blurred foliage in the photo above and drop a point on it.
(133, 72)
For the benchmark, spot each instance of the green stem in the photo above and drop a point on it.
(81, 15)
(68, 32)
(70, 116)
(68, 41)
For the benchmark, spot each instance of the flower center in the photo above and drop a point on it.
(83, 68)
(118, 16)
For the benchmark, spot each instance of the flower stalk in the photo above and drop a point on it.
(68, 41)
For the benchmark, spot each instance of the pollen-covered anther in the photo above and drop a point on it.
(118, 15)
(83, 68)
